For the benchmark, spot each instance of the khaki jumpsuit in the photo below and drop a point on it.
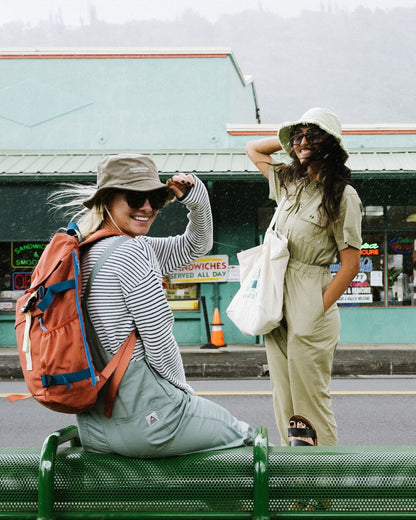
(301, 350)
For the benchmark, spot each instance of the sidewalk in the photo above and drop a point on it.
(243, 361)
(250, 361)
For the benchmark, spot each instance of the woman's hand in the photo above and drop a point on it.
(181, 183)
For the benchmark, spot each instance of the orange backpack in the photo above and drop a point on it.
(54, 351)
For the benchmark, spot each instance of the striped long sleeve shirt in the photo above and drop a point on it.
(127, 293)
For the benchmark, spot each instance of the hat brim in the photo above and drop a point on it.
(286, 129)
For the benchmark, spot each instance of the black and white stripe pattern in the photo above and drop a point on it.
(127, 292)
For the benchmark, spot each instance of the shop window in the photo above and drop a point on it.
(264, 216)
(401, 217)
(373, 217)
(401, 256)
(17, 261)
(401, 259)
(181, 297)
(367, 288)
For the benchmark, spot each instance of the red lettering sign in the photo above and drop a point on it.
(21, 281)
(369, 252)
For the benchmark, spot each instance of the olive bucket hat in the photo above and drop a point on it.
(125, 172)
(321, 117)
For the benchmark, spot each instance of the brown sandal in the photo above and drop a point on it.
(308, 432)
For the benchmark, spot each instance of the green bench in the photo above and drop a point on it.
(258, 483)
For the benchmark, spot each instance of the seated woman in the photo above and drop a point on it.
(156, 412)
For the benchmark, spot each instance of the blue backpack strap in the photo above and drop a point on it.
(65, 379)
(47, 297)
(73, 230)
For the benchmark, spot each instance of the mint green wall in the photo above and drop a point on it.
(380, 141)
(378, 325)
(241, 99)
(112, 104)
(7, 333)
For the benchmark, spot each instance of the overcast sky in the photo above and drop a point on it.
(119, 11)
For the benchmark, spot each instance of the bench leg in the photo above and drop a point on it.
(261, 475)
(47, 469)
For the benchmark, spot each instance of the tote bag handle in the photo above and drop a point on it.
(275, 216)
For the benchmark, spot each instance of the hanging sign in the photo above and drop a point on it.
(203, 270)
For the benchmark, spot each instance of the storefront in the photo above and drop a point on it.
(378, 307)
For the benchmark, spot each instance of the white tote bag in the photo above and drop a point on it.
(257, 307)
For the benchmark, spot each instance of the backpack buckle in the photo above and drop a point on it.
(30, 302)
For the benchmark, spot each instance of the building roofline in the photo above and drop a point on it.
(350, 129)
(20, 53)
(17, 52)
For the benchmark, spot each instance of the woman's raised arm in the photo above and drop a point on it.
(260, 151)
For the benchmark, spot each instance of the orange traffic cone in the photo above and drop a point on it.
(217, 337)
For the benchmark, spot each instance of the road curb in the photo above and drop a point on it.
(244, 361)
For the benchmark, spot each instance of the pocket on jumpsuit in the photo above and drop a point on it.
(304, 308)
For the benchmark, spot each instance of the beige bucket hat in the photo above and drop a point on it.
(322, 117)
(126, 172)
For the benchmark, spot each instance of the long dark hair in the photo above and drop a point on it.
(334, 176)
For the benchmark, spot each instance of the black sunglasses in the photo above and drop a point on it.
(157, 198)
(313, 136)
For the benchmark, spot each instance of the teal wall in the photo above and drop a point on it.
(378, 325)
(7, 333)
(110, 104)
(240, 100)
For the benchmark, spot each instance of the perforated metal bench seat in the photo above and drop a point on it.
(344, 481)
(76, 484)
(259, 483)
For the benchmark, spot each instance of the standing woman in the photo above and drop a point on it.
(156, 412)
(321, 217)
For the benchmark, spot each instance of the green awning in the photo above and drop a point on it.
(227, 164)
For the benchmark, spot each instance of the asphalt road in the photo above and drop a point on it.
(369, 411)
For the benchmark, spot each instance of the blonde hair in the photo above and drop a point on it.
(68, 201)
